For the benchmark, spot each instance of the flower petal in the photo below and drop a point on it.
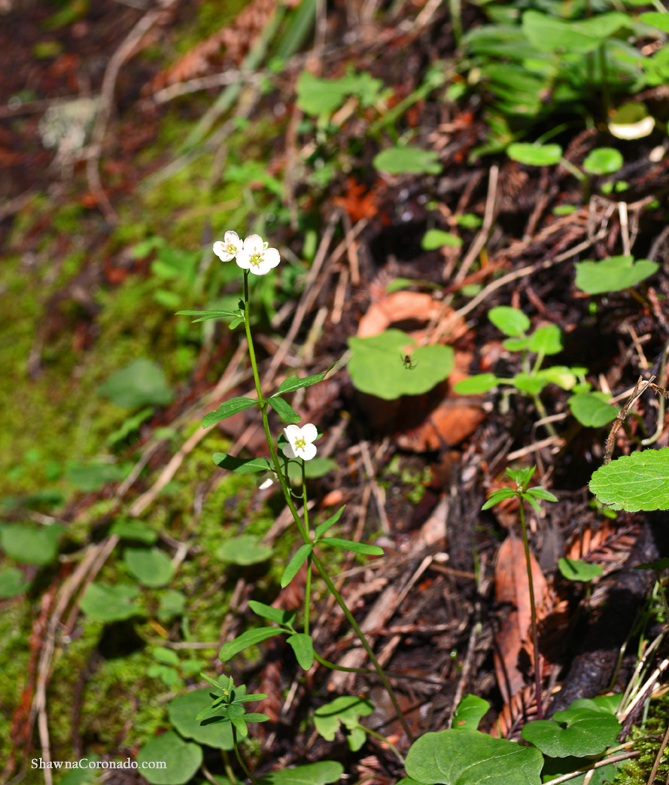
(272, 257)
(288, 451)
(243, 260)
(253, 244)
(260, 269)
(266, 480)
(292, 432)
(310, 432)
(221, 252)
(232, 238)
(308, 452)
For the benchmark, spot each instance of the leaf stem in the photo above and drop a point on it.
(246, 769)
(384, 740)
(533, 610)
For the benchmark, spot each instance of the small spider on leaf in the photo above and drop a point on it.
(408, 362)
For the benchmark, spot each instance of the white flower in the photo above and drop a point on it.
(299, 441)
(228, 248)
(256, 257)
(266, 480)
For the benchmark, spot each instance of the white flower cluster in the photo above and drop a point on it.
(251, 254)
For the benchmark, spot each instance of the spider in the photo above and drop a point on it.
(408, 362)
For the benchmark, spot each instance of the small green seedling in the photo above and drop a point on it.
(658, 567)
(344, 711)
(544, 341)
(524, 494)
(613, 274)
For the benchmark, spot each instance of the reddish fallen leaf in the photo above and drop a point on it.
(448, 425)
(358, 202)
(332, 499)
(395, 308)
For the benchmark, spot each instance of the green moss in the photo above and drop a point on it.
(637, 770)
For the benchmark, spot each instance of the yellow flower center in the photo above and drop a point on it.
(300, 443)
(255, 259)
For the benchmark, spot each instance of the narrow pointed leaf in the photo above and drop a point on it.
(283, 409)
(246, 639)
(228, 409)
(255, 717)
(497, 497)
(273, 614)
(541, 493)
(241, 465)
(323, 527)
(293, 383)
(356, 547)
(257, 696)
(295, 563)
(205, 315)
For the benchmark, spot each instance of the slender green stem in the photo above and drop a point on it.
(605, 80)
(307, 592)
(663, 595)
(538, 403)
(370, 653)
(383, 739)
(230, 774)
(307, 597)
(246, 769)
(300, 525)
(537, 362)
(533, 610)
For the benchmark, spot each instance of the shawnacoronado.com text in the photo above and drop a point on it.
(85, 763)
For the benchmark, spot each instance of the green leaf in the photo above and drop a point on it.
(470, 712)
(235, 322)
(243, 550)
(110, 603)
(356, 547)
(541, 493)
(345, 710)
(534, 154)
(574, 570)
(556, 767)
(546, 339)
(407, 160)
(228, 409)
(183, 759)
(661, 21)
(450, 758)
(532, 383)
(206, 315)
(323, 96)
(241, 465)
(603, 160)
(273, 614)
(29, 544)
(166, 674)
(184, 710)
(478, 384)
(316, 467)
(580, 732)
(516, 344)
(376, 365)
(303, 646)
(497, 497)
(548, 34)
(12, 583)
(560, 375)
(92, 477)
(591, 409)
(246, 639)
(283, 409)
(299, 557)
(435, 238)
(152, 567)
(521, 476)
(292, 383)
(613, 274)
(129, 426)
(172, 603)
(134, 530)
(140, 383)
(511, 321)
(166, 656)
(639, 481)
(323, 527)
(660, 565)
(321, 773)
